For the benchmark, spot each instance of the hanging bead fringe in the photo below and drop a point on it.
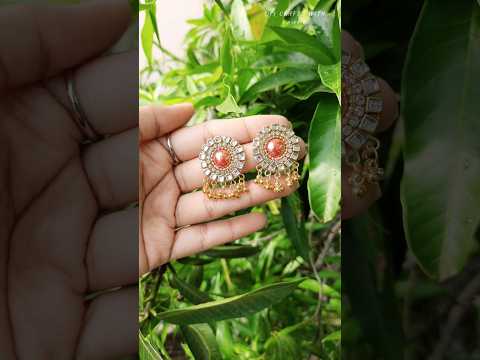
(273, 181)
(226, 190)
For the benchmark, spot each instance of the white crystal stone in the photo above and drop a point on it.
(374, 105)
(369, 123)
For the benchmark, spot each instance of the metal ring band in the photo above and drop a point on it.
(174, 157)
(77, 111)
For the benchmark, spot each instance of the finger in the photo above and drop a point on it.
(107, 92)
(112, 251)
(390, 106)
(190, 175)
(196, 207)
(353, 205)
(352, 46)
(112, 168)
(156, 121)
(188, 141)
(198, 238)
(111, 326)
(37, 42)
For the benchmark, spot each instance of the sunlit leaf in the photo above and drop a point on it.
(330, 75)
(324, 183)
(240, 23)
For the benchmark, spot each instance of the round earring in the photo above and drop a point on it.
(276, 149)
(222, 160)
(361, 108)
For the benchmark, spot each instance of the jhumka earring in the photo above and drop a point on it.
(361, 108)
(222, 160)
(276, 149)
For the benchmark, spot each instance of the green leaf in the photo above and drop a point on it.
(308, 89)
(232, 251)
(284, 59)
(331, 78)
(240, 23)
(225, 340)
(336, 336)
(328, 31)
(282, 346)
(295, 225)
(234, 307)
(222, 7)
(441, 107)
(307, 44)
(283, 77)
(229, 105)
(275, 18)
(146, 350)
(324, 182)
(314, 286)
(207, 102)
(195, 260)
(192, 294)
(147, 37)
(201, 341)
(226, 54)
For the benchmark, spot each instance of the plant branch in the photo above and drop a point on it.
(463, 303)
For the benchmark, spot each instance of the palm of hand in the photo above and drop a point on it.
(49, 212)
(159, 193)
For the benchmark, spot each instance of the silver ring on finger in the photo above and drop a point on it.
(78, 114)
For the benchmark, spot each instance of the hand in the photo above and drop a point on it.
(166, 198)
(353, 205)
(64, 234)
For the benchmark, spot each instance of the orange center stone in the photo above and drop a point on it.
(221, 158)
(275, 148)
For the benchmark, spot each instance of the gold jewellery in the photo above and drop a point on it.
(276, 151)
(222, 160)
(361, 108)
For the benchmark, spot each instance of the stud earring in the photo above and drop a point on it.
(361, 107)
(276, 149)
(222, 160)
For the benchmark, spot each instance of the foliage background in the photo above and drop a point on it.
(247, 58)
(411, 265)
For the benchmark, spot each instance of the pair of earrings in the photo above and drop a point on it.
(275, 149)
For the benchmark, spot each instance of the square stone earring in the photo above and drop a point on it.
(222, 160)
(276, 149)
(361, 106)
